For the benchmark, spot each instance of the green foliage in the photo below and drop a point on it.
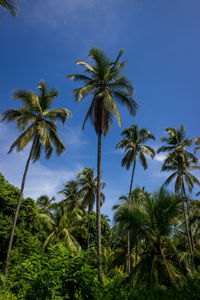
(105, 231)
(29, 233)
(58, 273)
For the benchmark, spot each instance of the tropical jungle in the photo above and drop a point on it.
(65, 247)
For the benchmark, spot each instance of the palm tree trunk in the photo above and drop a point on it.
(185, 216)
(129, 252)
(128, 233)
(17, 211)
(190, 228)
(136, 251)
(88, 235)
(98, 207)
(189, 225)
(131, 184)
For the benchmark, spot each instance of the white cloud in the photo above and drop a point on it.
(160, 157)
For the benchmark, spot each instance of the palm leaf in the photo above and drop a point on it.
(11, 5)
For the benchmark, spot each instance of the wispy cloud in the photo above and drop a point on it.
(72, 17)
(160, 157)
(74, 137)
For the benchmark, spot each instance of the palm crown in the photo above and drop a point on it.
(132, 142)
(88, 191)
(37, 121)
(105, 82)
(72, 196)
(179, 159)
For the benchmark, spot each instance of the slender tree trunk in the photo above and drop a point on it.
(88, 235)
(98, 209)
(190, 228)
(185, 216)
(129, 252)
(136, 251)
(133, 172)
(128, 233)
(189, 225)
(17, 211)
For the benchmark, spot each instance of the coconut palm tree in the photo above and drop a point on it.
(105, 82)
(153, 223)
(72, 195)
(37, 122)
(62, 225)
(135, 199)
(11, 5)
(45, 204)
(180, 161)
(88, 191)
(133, 143)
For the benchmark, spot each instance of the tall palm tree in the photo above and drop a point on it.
(11, 5)
(72, 195)
(180, 161)
(104, 82)
(133, 143)
(88, 191)
(37, 122)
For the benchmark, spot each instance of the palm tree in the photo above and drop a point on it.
(132, 141)
(37, 122)
(72, 195)
(11, 5)
(104, 82)
(179, 161)
(45, 204)
(88, 191)
(153, 223)
(135, 199)
(62, 226)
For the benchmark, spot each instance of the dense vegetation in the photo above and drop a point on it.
(64, 250)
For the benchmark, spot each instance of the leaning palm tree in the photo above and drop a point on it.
(11, 5)
(180, 161)
(37, 122)
(104, 82)
(133, 143)
(88, 191)
(72, 195)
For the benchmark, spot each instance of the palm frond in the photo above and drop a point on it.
(143, 160)
(11, 5)
(148, 150)
(126, 100)
(58, 114)
(23, 139)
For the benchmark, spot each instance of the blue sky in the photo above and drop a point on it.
(162, 45)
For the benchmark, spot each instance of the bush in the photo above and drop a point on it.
(57, 273)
